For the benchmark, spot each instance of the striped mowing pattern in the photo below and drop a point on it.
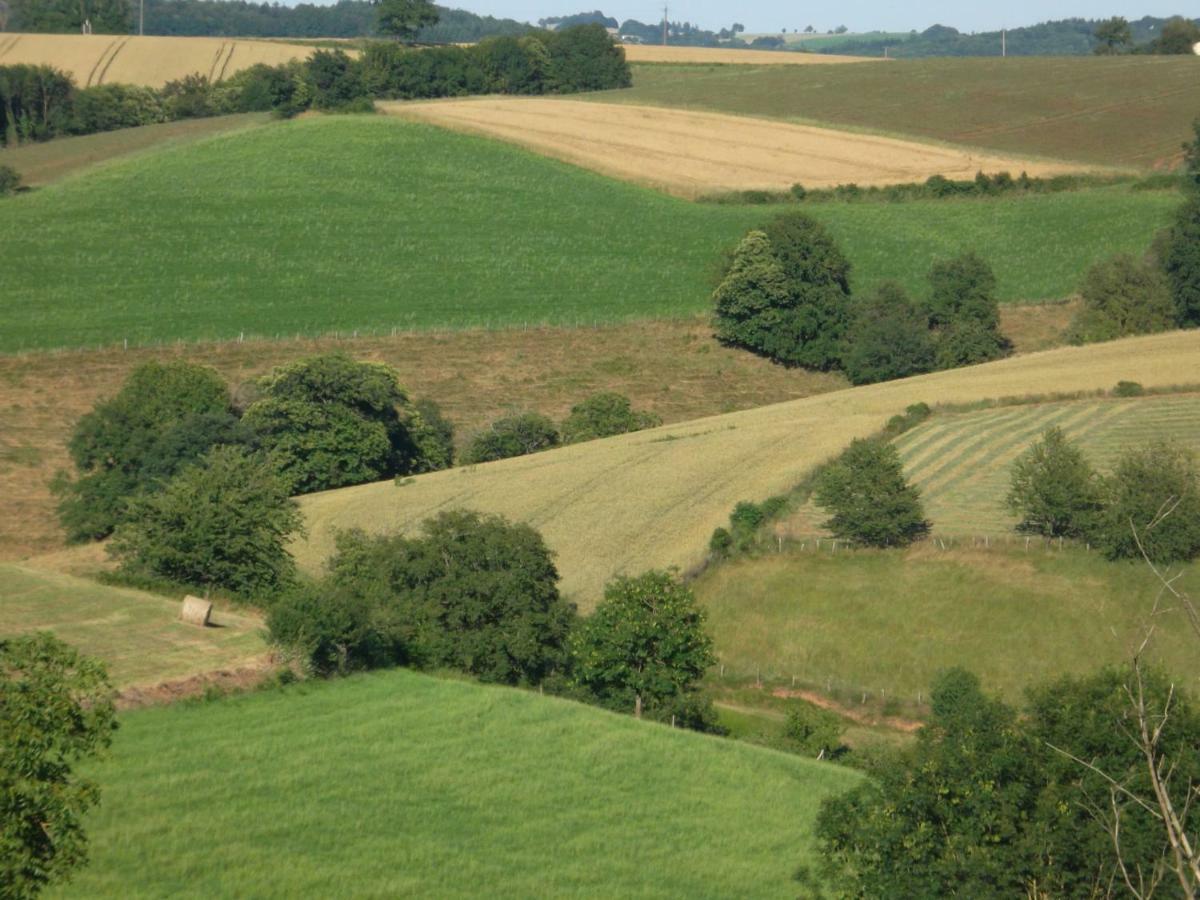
(962, 461)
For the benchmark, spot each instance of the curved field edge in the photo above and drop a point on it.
(652, 499)
(396, 784)
(372, 225)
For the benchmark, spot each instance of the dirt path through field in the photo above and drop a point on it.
(692, 153)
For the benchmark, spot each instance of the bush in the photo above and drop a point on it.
(433, 435)
(335, 80)
(222, 523)
(165, 416)
(889, 338)
(515, 435)
(329, 421)
(814, 731)
(1154, 492)
(584, 58)
(644, 648)
(871, 502)
(1181, 262)
(56, 710)
(35, 103)
(10, 180)
(333, 630)
(257, 88)
(107, 107)
(1122, 296)
(1054, 489)
(786, 294)
(190, 97)
(1128, 389)
(474, 593)
(604, 415)
(914, 414)
(963, 307)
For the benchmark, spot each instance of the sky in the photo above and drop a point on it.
(857, 15)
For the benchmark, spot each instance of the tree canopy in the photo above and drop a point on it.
(1054, 489)
(869, 498)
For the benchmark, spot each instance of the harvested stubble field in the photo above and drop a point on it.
(424, 787)
(152, 61)
(694, 153)
(652, 499)
(1112, 111)
(376, 224)
(654, 53)
(885, 622)
(137, 635)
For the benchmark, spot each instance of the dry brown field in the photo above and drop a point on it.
(654, 53)
(652, 498)
(152, 61)
(689, 153)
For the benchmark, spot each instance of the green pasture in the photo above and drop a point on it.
(1112, 111)
(372, 224)
(398, 784)
(884, 623)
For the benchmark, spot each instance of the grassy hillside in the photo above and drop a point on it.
(372, 224)
(399, 784)
(653, 498)
(887, 621)
(138, 635)
(1124, 111)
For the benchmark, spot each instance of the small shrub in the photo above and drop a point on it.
(1128, 389)
(515, 435)
(814, 731)
(913, 415)
(333, 630)
(10, 180)
(870, 500)
(107, 107)
(604, 415)
(190, 97)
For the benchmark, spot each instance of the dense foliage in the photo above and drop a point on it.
(1054, 489)
(223, 523)
(56, 711)
(514, 435)
(404, 18)
(1123, 296)
(889, 337)
(10, 180)
(870, 501)
(964, 311)
(604, 415)
(645, 649)
(1181, 261)
(104, 16)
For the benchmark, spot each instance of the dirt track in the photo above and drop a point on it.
(691, 153)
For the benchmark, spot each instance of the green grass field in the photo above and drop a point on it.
(1119, 111)
(137, 635)
(398, 784)
(886, 622)
(371, 224)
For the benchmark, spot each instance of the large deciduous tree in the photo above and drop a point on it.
(870, 501)
(1054, 489)
(402, 19)
(889, 338)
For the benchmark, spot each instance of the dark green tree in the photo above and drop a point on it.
(645, 647)
(584, 58)
(786, 294)
(1152, 498)
(402, 19)
(334, 79)
(515, 435)
(1178, 37)
(889, 338)
(10, 181)
(1123, 296)
(330, 421)
(869, 498)
(333, 630)
(1054, 489)
(222, 523)
(604, 415)
(56, 711)
(964, 309)
(165, 416)
(1181, 261)
(474, 593)
(1113, 36)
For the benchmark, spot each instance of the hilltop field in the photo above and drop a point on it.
(413, 782)
(265, 232)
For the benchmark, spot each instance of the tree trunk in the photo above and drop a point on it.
(637, 706)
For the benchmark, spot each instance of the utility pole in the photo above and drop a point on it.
(141, 17)
(665, 25)
(1003, 41)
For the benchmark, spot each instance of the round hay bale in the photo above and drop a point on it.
(196, 610)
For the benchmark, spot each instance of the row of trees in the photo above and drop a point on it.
(786, 295)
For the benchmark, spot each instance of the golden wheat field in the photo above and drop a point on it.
(152, 61)
(653, 498)
(653, 53)
(691, 153)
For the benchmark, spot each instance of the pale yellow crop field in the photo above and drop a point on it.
(152, 61)
(689, 153)
(652, 498)
(654, 53)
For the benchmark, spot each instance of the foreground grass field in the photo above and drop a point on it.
(417, 787)
(1120, 111)
(137, 635)
(372, 224)
(885, 622)
(653, 498)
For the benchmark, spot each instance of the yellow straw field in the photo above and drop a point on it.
(690, 153)
(653, 498)
(152, 61)
(652, 53)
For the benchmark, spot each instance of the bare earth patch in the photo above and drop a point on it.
(692, 153)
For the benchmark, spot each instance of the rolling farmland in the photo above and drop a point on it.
(693, 153)
(1111, 111)
(680, 481)
(652, 53)
(298, 228)
(152, 61)
(418, 785)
